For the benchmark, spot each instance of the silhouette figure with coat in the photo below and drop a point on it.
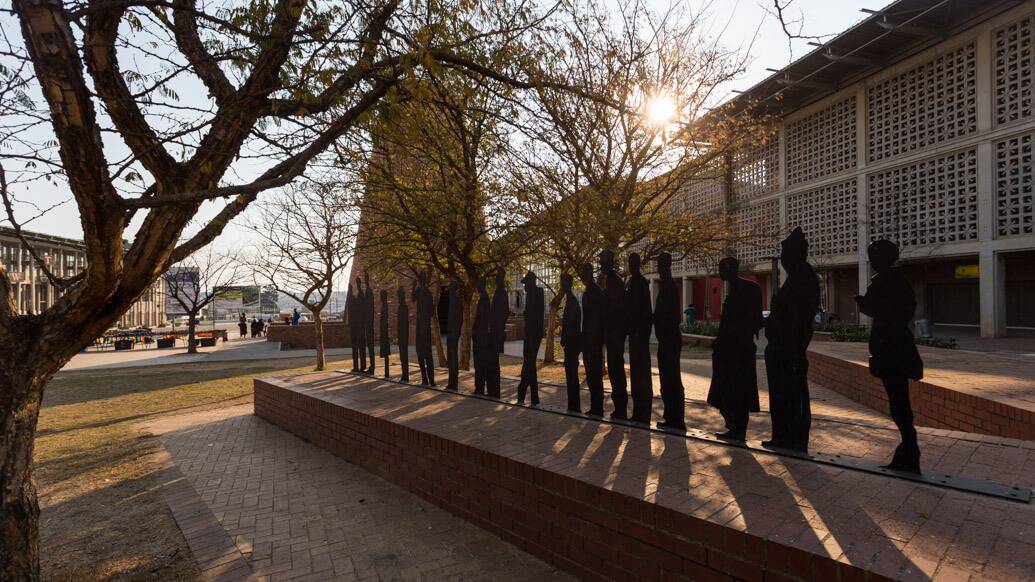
(890, 301)
(534, 311)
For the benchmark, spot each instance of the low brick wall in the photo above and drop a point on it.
(303, 335)
(592, 532)
(934, 406)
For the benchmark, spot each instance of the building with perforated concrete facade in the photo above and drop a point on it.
(915, 125)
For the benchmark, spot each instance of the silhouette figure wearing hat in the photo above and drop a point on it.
(890, 301)
(734, 388)
(616, 326)
(571, 342)
(638, 304)
(788, 330)
(594, 306)
(534, 306)
(403, 333)
(670, 343)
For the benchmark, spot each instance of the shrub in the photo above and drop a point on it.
(948, 343)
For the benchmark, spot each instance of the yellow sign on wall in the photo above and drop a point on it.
(968, 271)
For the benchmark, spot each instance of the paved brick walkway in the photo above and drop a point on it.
(295, 512)
(895, 528)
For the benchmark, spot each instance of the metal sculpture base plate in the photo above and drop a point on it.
(969, 485)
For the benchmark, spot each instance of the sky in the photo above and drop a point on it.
(744, 25)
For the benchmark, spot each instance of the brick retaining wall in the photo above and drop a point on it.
(303, 335)
(934, 406)
(586, 529)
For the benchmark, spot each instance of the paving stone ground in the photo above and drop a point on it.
(296, 512)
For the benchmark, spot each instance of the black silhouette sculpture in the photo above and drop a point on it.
(454, 323)
(890, 301)
(667, 315)
(788, 330)
(422, 298)
(498, 332)
(594, 306)
(616, 324)
(641, 386)
(386, 344)
(353, 312)
(571, 342)
(534, 311)
(734, 389)
(403, 331)
(368, 320)
(481, 338)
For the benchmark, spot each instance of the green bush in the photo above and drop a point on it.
(948, 343)
(700, 328)
(850, 333)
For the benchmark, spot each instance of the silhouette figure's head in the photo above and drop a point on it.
(480, 282)
(586, 274)
(501, 276)
(794, 249)
(883, 254)
(607, 261)
(384, 296)
(401, 294)
(665, 265)
(422, 278)
(529, 280)
(566, 281)
(634, 263)
(729, 268)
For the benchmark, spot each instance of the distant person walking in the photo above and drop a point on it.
(890, 301)
(242, 325)
(295, 316)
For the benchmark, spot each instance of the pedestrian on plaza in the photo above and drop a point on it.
(640, 317)
(534, 312)
(481, 339)
(890, 301)
(670, 344)
(734, 387)
(571, 343)
(788, 331)
(403, 333)
(593, 314)
(386, 343)
(295, 316)
(242, 325)
(616, 327)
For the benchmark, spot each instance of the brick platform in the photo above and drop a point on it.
(612, 502)
(965, 391)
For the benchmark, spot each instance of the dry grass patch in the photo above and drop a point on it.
(103, 516)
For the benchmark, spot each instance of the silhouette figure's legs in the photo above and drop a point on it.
(355, 354)
(594, 361)
(571, 378)
(452, 362)
(404, 362)
(360, 346)
(479, 369)
(672, 393)
(907, 454)
(386, 366)
(370, 348)
(640, 378)
(616, 373)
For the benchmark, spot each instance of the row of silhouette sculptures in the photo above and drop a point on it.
(621, 311)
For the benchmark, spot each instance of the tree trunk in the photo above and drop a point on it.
(20, 394)
(192, 326)
(321, 354)
(551, 328)
(436, 326)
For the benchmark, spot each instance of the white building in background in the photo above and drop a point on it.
(916, 125)
(65, 257)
